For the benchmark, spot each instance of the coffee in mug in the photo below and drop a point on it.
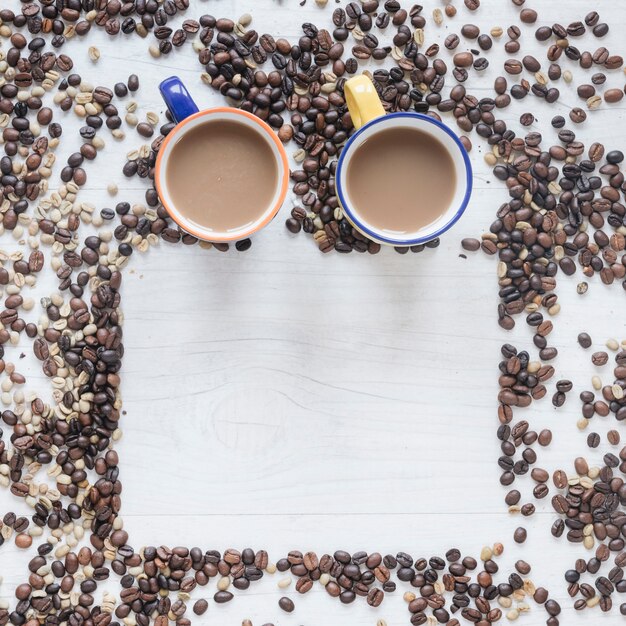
(401, 180)
(222, 175)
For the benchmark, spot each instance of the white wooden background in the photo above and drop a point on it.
(283, 399)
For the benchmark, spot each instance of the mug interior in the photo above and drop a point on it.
(460, 160)
(188, 125)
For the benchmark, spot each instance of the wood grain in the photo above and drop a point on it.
(285, 399)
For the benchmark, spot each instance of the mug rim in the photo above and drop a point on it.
(367, 229)
(267, 215)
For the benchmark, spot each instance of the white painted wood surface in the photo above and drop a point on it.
(284, 399)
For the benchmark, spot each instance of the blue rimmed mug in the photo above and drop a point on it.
(370, 118)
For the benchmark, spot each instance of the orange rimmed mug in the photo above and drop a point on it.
(187, 117)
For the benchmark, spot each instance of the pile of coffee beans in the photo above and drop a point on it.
(302, 93)
(343, 576)
(590, 502)
(590, 508)
(66, 19)
(565, 213)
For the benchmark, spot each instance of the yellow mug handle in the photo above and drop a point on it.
(363, 101)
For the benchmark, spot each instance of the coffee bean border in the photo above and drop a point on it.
(553, 193)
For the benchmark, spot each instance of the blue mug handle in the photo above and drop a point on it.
(177, 98)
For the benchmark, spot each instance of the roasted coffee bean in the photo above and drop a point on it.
(513, 66)
(528, 16)
(470, 244)
(593, 440)
(599, 358)
(470, 31)
(286, 604)
(200, 607)
(577, 115)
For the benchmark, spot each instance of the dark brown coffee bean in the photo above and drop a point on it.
(375, 597)
(577, 115)
(613, 437)
(531, 63)
(581, 466)
(600, 30)
(599, 358)
(470, 31)
(512, 497)
(557, 528)
(513, 66)
(485, 42)
(593, 440)
(463, 59)
(132, 83)
(286, 604)
(528, 16)
(526, 119)
(452, 41)
(560, 479)
(145, 129)
(225, 25)
(470, 244)
(543, 33)
(585, 91)
(613, 95)
(221, 597)
(200, 607)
